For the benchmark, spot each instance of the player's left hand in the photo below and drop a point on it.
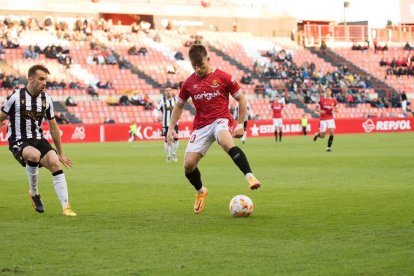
(67, 162)
(238, 132)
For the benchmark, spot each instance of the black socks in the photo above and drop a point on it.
(240, 159)
(195, 178)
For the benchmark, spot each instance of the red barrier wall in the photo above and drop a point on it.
(152, 131)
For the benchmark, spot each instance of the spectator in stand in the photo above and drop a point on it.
(133, 51)
(142, 51)
(92, 92)
(135, 28)
(385, 62)
(67, 61)
(259, 90)
(111, 101)
(148, 102)
(179, 56)
(30, 53)
(137, 99)
(107, 85)
(404, 102)
(109, 57)
(61, 118)
(1, 48)
(70, 101)
(108, 121)
(75, 85)
(123, 63)
(157, 37)
(408, 47)
(124, 100)
(323, 47)
(247, 79)
(268, 90)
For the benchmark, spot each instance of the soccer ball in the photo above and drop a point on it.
(241, 206)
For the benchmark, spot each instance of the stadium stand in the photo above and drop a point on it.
(100, 54)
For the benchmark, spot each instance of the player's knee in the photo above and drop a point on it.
(32, 155)
(189, 167)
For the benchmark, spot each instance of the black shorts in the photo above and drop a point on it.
(165, 130)
(41, 145)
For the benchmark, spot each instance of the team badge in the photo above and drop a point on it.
(215, 84)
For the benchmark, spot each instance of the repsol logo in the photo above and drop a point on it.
(369, 125)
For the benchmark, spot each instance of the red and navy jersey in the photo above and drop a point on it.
(327, 105)
(26, 114)
(210, 96)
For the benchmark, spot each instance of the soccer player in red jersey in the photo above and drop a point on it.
(326, 106)
(277, 108)
(210, 88)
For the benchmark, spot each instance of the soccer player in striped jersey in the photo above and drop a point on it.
(26, 108)
(249, 114)
(166, 106)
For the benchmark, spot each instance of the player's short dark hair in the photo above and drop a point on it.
(34, 68)
(197, 52)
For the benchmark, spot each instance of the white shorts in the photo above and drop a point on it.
(277, 122)
(404, 105)
(326, 124)
(201, 139)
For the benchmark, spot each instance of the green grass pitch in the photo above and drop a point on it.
(347, 212)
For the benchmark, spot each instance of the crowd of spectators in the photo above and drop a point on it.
(398, 66)
(306, 82)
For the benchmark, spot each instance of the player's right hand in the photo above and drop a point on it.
(171, 134)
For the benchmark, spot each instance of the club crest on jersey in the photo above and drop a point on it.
(215, 84)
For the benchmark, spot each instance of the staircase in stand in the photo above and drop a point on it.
(59, 107)
(233, 61)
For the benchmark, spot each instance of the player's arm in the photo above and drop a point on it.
(55, 133)
(175, 116)
(239, 130)
(319, 110)
(155, 114)
(3, 116)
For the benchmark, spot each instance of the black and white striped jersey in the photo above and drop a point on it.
(166, 106)
(248, 112)
(26, 114)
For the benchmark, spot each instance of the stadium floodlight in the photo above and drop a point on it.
(346, 5)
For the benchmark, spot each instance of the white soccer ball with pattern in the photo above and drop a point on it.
(241, 206)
